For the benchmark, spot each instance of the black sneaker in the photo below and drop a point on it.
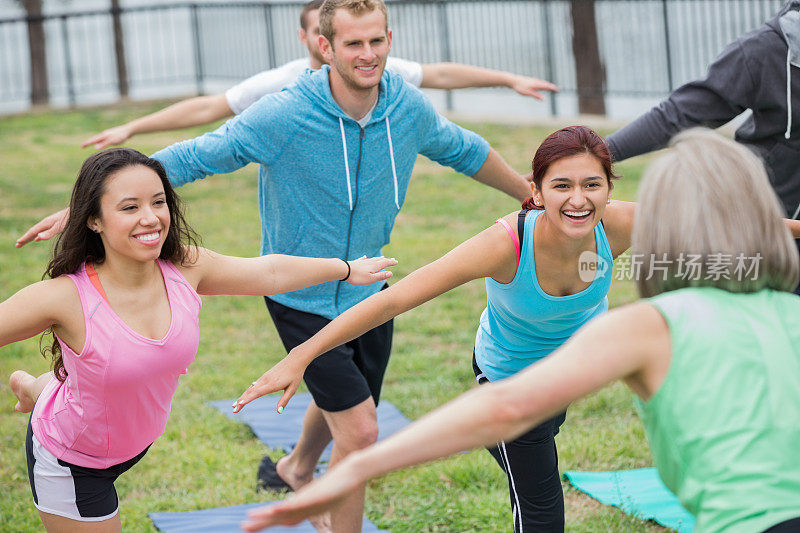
(268, 478)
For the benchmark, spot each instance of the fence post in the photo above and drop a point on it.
(549, 55)
(589, 69)
(37, 46)
(666, 44)
(198, 53)
(67, 61)
(270, 35)
(444, 32)
(119, 49)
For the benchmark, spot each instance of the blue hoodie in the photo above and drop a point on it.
(327, 187)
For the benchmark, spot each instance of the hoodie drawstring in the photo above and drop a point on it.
(788, 133)
(346, 164)
(394, 170)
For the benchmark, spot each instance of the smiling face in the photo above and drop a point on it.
(134, 217)
(574, 193)
(360, 48)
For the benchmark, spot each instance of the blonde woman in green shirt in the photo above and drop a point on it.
(712, 354)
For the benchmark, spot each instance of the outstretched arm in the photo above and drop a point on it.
(619, 217)
(214, 273)
(45, 229)
(623, 344)
(728, 89)
(495, 172)
(191, 112)
(460, 76)
(490, 253)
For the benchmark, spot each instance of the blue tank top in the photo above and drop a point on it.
(522, 324)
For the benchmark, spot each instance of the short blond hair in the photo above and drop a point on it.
(355, 7)
(709, 197)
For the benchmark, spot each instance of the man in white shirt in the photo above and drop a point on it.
(205, 109)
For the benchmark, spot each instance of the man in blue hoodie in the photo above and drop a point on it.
(336, 152)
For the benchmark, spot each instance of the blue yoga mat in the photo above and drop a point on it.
(282, 431)
(639, 493)
(226, 520)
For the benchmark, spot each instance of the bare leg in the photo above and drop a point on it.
(27, 388)
(59, 524)
(297, 468)
(352, 429)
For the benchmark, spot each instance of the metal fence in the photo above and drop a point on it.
(647, 47)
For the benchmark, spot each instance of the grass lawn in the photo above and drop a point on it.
(204, 460)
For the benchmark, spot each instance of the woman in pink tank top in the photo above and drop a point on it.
(122, 305)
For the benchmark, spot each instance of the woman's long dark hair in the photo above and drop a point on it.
(77, 244)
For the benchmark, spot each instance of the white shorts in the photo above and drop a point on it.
(71, 491)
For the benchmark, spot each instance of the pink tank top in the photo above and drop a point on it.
(116, 399)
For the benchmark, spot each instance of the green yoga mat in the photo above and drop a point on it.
(639, 493)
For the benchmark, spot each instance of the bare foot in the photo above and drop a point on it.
(321, 523)
(22, 385)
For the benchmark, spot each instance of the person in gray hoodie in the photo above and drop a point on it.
(758, 71)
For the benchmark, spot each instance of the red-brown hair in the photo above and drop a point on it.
(566, 142)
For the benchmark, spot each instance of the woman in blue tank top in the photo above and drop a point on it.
(713, 359)
(547, 270)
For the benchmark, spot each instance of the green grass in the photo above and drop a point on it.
(204, 460)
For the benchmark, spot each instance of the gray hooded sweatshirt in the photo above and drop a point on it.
(750, 73)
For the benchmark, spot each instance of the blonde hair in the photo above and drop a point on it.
(708, 199)
(355, 7)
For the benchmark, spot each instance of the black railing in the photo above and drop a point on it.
(647, 47)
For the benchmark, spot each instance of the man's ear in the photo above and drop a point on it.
(326, 49)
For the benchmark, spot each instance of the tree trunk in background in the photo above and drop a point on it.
(589, 69)
(38, 52)
(119, 50)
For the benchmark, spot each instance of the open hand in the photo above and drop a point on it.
(45, 229)
(286, 376)
(109, 137)
(364, 271)
(528, 86)
(313, 499)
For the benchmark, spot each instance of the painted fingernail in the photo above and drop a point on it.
(280, 409)
(253, 384)
(235, 404)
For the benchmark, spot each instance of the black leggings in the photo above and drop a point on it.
(789, 526)
(531, 465)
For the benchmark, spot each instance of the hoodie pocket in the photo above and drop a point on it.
(289, 240)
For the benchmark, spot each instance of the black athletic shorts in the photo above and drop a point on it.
(345, 376)
(72, 491)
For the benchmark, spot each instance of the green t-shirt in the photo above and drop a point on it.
(724, 426)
